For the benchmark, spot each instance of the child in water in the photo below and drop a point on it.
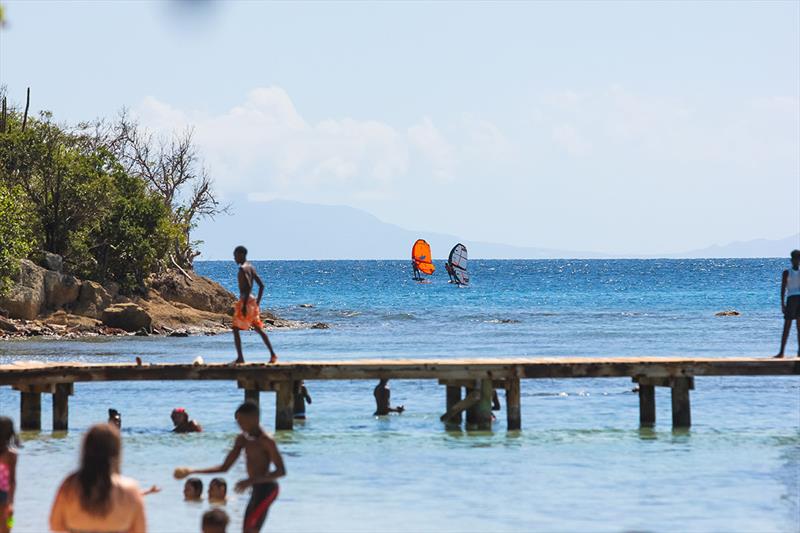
(246, 313)
(218, 491)
(8, 472)
(193, 490)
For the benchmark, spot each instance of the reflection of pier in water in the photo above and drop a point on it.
(469, 383)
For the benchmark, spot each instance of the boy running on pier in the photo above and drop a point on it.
(246, 312)
(261, 452)
(790, 301)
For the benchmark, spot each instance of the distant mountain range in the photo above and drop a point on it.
(282, 229)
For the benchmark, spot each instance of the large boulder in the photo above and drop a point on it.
(127, 316)
(52, 262)
(199, 292)
(92, 300)
(60, 289)
(26, 297)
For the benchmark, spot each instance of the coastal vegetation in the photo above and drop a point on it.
(116, 202)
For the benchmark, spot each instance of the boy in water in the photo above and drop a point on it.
(214, 521)
(246, 312)
(218, 491)
(301, 396)
(261, 452)
(193, 490)
(790, 301)
(382, 400)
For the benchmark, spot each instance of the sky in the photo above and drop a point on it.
(623, 128)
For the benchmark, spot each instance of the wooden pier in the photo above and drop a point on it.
(469, 383)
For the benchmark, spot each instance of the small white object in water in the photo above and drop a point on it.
(198, 361)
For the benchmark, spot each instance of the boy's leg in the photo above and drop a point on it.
(787, 326)
(237, 340)
(798, 337)
(272, 356)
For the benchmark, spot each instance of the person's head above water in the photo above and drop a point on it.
(99, 461)
(115, 418)
(240, 254)
(795, 256)
(383, 382)
(217, 490)
(215, 521)
(247, 416)
(193, 489)
(8, 437)
(179, 416)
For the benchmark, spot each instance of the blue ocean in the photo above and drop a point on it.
(581, 461)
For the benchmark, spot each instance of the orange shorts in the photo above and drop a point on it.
(251, 317)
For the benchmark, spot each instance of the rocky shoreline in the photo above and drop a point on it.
(45, 302)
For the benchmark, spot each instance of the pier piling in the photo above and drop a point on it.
(681, 409)
(647, 405)
(513, 411)
(284, 406)
(30, 405)
(453, 397)
(61, 395)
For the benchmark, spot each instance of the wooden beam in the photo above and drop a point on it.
(252, 395)
(484, 406)
(647, 405)
(513, 410)
(470, 400)
(30, 407)
(453, 397)
(61, 406)
(284, 407)
(681, 409)
(453, 369)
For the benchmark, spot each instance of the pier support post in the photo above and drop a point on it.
(284, 406)
(473, 391)
(61, 395)
(647, 405)
(252, 395)
(513, 411)
(30, 406)
(484, 406)
(681, 409)
(453, 397)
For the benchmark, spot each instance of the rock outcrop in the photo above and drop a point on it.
(127, 316)
(200, 293)
(60, 289)
(92, 300)
(53, 262)
(26, 298)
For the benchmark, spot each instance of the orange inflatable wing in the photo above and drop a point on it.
(421, 255)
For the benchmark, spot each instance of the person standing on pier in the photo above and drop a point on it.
(246, 313)
(383, 400)
(261, 453)
(790, 301)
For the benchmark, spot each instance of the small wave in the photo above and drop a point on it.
(399, 316)
(346, 313)
(502, 321)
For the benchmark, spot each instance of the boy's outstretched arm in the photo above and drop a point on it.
(181, 473)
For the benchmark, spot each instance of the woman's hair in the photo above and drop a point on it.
(101, 449)
(8, 437)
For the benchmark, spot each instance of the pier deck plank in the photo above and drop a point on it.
(31, 372)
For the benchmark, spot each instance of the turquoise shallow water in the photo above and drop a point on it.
(580, 463)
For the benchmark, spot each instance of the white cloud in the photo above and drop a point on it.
(265, 145)
(568, 138)
(430, 142)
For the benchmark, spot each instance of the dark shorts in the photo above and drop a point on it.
(3, 497)
(792, 311)
(261, 498)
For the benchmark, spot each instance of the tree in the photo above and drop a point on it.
(15, 239)
(172, 168)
